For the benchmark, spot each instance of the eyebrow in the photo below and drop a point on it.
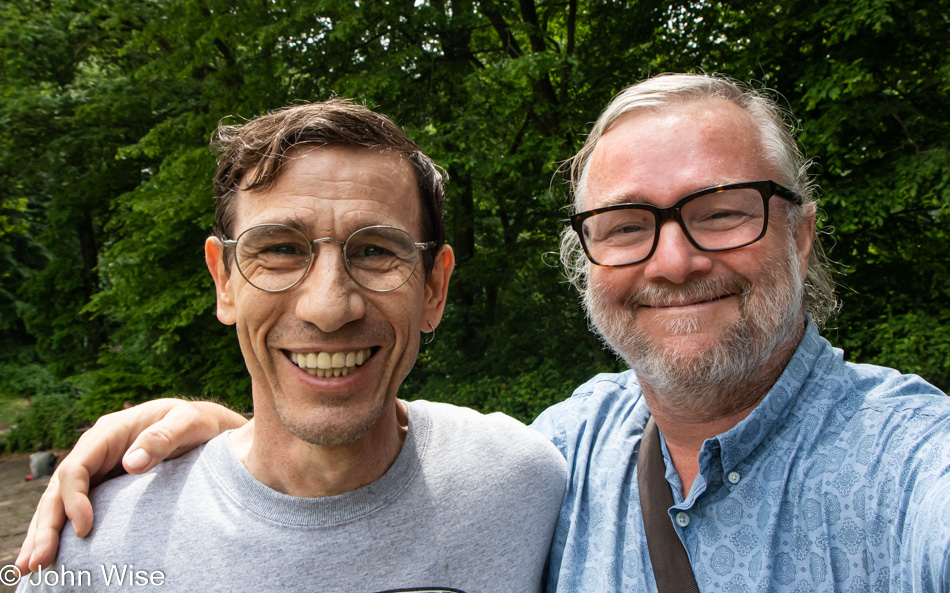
(294, 223)
(635, 198)
(623, 199)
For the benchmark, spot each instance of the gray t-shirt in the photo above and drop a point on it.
(469, 505)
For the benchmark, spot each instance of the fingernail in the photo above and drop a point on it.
(137, 459)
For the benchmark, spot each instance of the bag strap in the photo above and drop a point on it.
(671, 567)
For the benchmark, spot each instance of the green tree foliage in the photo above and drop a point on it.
(106, 109)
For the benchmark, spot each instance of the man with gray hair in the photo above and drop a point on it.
(692, 243)
(785, 467)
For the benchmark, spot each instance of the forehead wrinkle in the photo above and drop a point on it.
(357, 218)
(293, 222)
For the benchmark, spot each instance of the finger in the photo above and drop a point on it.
(183, 428)
(155, 443)
(22, 561)
(72, 500)
(101, 448)
(50, 519)
(98, 450)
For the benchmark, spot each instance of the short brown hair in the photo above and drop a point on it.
(262, 144)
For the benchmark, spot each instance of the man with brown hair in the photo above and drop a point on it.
(329, 259)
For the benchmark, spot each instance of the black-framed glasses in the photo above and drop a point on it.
(713, 219)
(276, 257)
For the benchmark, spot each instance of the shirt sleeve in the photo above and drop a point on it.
(929, 539)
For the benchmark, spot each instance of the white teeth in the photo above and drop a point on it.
(330, 364)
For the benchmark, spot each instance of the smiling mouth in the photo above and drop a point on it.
(668, 305)
(330, 364)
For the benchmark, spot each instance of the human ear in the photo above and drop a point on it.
(805, 237)
(437, 289)
(214, 258)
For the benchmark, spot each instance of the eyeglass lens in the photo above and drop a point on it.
(722, 220)
(276, 257)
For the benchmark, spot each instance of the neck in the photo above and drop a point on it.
(684, 437)
(685, 430)
(297, 468)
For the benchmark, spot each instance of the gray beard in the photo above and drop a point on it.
(738, 370)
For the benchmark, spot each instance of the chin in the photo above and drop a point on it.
(691, 347)
(333, 426)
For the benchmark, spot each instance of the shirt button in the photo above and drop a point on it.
(682, 519)
(733, 477)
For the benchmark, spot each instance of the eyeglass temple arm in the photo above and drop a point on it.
(783, 192)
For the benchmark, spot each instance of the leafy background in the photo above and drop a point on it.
(106, 108)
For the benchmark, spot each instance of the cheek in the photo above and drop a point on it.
(255, 318)
(757, 263)
(613, 283)
(405, 322)
(403, 316)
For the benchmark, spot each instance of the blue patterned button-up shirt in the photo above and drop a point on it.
(839, 480)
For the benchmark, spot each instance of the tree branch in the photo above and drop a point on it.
(508, 42)
(529, 14)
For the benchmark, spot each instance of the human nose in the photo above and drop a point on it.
(675, 258)
(327, 297)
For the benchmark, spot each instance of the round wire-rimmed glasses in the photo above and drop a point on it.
(276, 257)
(713, 219)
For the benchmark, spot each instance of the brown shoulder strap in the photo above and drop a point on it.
(671, 566)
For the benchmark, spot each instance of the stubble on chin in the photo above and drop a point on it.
(726, 377)
(334, 426)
